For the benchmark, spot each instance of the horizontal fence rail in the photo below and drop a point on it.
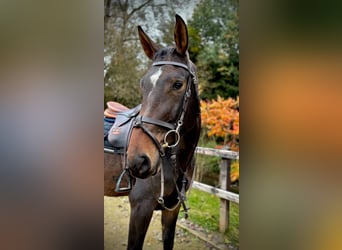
(216, 191)
(223, 153)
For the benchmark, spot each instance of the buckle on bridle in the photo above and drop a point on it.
(161, 200)
(137, 121)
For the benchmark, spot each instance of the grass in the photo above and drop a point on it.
(205, 209)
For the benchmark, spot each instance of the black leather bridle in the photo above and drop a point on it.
(173, 129)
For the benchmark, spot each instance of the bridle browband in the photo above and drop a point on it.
(174, 129)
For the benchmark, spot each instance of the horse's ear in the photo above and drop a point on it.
(148, 45)
(181, 35)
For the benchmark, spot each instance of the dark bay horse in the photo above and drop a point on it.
(164, 135)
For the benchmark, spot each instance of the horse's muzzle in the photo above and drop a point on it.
(140, 166)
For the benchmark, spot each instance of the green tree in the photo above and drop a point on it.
(124, 61)
(214, 47)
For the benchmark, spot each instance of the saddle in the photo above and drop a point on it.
(120, 132)
(118, 124)
(113, 108)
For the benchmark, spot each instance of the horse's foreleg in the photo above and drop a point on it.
(139, 221)
(169, 220)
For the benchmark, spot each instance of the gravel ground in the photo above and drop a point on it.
(188, 235)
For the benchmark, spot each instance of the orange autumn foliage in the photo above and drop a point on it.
(221, 119)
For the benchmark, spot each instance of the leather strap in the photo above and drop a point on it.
(171, 63)
(158, 122)
(154, 139)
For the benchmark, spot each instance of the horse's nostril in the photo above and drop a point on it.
(145, 161)
(140, 165)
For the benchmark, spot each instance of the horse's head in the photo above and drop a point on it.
(170, 106)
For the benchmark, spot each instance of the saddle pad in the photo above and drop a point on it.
(107, 124)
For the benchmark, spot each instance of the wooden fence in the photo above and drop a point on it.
(224, 195)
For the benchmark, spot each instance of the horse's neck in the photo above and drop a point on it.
(188, 144)
(192, 126)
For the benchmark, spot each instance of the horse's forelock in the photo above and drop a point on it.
(170, 54)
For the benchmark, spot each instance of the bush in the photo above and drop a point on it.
(220, 119)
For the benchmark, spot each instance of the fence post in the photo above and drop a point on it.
(224, 184)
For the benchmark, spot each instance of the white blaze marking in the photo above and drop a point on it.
(154, 78)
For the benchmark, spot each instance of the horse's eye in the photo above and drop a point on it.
(177, 85)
